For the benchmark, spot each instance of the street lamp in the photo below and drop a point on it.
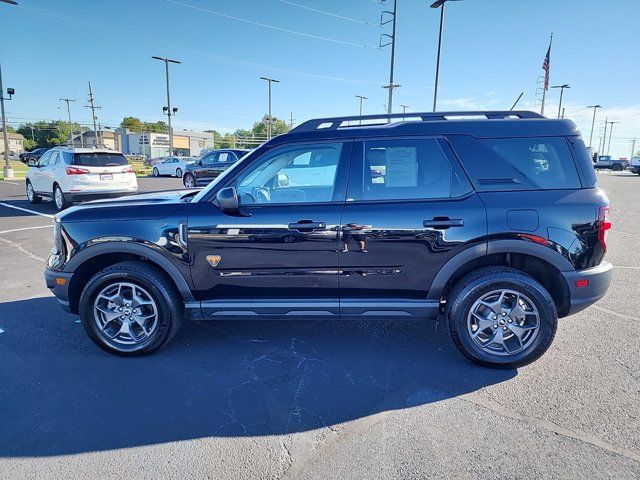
(7, 171)
(439, 4)
(561, 87)
(270, 80)
(593, 121)
(610, 134)
(167, 109)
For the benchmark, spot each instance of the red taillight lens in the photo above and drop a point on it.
(76, 171)
(128, 169)
(604, 225)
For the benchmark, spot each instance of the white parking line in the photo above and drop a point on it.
(12, 183)
(26, 210)
(25, 228)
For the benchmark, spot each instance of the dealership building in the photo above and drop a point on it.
(153, 145)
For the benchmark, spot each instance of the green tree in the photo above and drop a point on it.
(136, 125)
(29, 144)
(278, 127)
(48, 134)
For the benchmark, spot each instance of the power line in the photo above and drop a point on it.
(264, 25)
(136, 40)
(342, 17)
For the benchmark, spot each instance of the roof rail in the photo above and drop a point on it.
(336, 122)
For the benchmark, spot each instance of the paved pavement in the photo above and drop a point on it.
(312, 399)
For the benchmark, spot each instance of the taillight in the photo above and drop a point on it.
(604, 225)
(128, 169)
(76, 171)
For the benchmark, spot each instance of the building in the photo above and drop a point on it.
(153, 145)
(16, 143)
(104, 138)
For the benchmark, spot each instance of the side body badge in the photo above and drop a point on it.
(214, 260)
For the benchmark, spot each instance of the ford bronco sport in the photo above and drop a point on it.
(491, 220)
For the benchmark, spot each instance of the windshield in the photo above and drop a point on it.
(220, 178)
(99, 159)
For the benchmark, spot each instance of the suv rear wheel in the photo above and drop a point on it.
(130, 308)
(500, 317)
(189, 181)
(58, 198)
(179, 172)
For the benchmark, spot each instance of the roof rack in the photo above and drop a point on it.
(337, 122)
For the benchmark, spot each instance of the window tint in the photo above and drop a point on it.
(44, 159)
(99, 159)
(209, 159)
(298, 174)
(498, 164)
(409, 169)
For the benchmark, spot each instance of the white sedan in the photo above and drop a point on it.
(173, 166)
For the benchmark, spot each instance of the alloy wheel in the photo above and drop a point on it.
(58, 198)
(30, 193)
(125, 314)
(503, 322)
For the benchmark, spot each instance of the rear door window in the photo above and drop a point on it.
(99, 159)
(534, 163)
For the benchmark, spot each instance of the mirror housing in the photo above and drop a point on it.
(227, 200)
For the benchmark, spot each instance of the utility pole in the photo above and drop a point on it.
(291, 119)
(561, 87)
(633, 150)
(269, 123)
(168, 110)
(7, 170)
(610, 134)
(394, 21)
(604, 137)
(68, 102)
(593, 121)
(93, 114)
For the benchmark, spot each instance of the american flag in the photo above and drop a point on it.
(545, 67)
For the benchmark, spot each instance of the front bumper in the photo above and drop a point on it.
(599, 279)
(58, 283)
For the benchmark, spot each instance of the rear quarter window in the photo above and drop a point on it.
(99, 159)
(504, 164)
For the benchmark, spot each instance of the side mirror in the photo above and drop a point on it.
(33, 163)
(227, 200)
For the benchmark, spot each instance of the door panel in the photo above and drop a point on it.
(279, 254)
(410, 209)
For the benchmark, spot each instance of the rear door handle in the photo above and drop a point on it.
(307, 226)
(442, 223)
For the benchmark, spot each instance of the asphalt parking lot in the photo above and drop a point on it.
(312, 399)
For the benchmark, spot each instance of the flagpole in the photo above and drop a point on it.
(544, 89)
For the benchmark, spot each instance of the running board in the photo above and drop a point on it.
(307, 309)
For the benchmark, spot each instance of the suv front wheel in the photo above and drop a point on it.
(500, 317)
(130, 308)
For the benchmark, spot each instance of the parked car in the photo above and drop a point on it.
(33, 155)
(605, 162)
(463, 222)
(68, 175)
(173, 166)
(634, 166)
(212, 164)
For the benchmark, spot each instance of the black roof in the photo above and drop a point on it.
(480, 124)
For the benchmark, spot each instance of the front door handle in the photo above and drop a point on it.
(442, 223)
(307, 226)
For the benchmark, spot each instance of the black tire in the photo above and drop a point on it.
(616, 167)
(59, 201)
(162, 290)
(155, 172)
(179, 172)
(472, 287)
(189, 178)
(32, 196)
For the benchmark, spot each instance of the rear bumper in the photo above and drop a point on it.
(599, 280)
(58, 283)
(96, 195)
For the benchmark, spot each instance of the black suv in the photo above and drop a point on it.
(204, 170)
(493, 220)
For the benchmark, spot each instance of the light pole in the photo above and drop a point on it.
(361, 100)
(610, 133)
(593, 121)
(7, 171)
(404, 110)
(438, 4)
(270, 80)
(168, 109)
(561, 87)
